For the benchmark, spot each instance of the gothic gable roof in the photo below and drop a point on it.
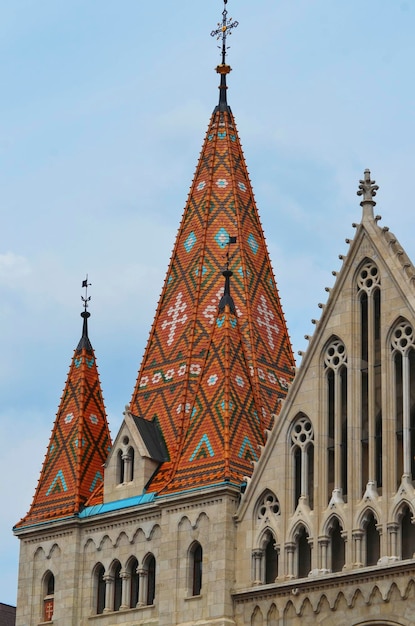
(371, 244)
(79, 444)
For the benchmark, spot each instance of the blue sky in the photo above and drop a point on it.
(103, 111)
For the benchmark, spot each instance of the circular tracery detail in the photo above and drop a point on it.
(403, 337)
(268, 504)
(335, 355)
(368, 277)
(302, 432)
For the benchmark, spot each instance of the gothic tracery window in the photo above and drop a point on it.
(335, 363)
(302, 448)
(368, 287)
(403, 348)
(268, 505)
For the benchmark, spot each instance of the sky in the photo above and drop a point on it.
(103, 109)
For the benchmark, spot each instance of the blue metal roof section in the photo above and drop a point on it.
(116, 505)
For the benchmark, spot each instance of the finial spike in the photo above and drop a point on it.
(222, 31)
(85, 299)
(84, 341)
(367, 189)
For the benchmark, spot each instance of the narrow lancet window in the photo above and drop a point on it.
(335, 363)
(368, 286)
(302, 449)
(403, 349)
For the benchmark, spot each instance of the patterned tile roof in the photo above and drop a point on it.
(212, 430)
(79, 444)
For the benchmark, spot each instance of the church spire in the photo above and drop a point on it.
(189, 381)
(80, 439)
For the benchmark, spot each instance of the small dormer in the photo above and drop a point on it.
(137, 453)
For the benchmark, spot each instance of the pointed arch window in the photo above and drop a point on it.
(195, 568)
(117, 586)
(150, 568)
(368, 287)
(337, 546)
(120, 468)
(48, 596)
(403, 350)
(134, 583)
(271, 559)
(125, 462)
(335, 364)
(302, 450)
(99, 588)
(303, 553)
(372, 540)
(407, 534)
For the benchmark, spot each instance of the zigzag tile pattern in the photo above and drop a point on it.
(220, 204)
(79, 444)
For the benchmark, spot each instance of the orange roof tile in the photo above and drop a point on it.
(79, 444)
(173, 382)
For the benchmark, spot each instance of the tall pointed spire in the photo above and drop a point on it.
(184, 352)
(80, 440)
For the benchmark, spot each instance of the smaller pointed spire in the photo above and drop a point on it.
(227, 298)
(223, 30)
(227, 273)
(367, 189)
(79, 443)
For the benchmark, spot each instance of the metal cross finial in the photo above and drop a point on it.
(367, 188)
(85, 299)
(224, 29)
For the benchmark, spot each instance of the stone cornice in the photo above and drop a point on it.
(327, 581)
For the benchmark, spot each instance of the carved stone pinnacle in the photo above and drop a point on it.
(367, 188)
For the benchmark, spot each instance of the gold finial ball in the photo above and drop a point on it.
(223, 68)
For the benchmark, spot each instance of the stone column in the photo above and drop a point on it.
(109, 593)
(257, 568)
(323, 543)
(142, 587)
(127, 467)
(126, 591)
(290, 550)
(357, 537)
(347, 559)
(393, 540)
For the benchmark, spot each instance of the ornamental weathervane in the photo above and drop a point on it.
(223, 30)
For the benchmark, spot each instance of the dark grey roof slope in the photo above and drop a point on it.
(7, 615)
(152, 438)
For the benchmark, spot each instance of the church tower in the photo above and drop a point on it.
(154, 542)
(214, 404)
